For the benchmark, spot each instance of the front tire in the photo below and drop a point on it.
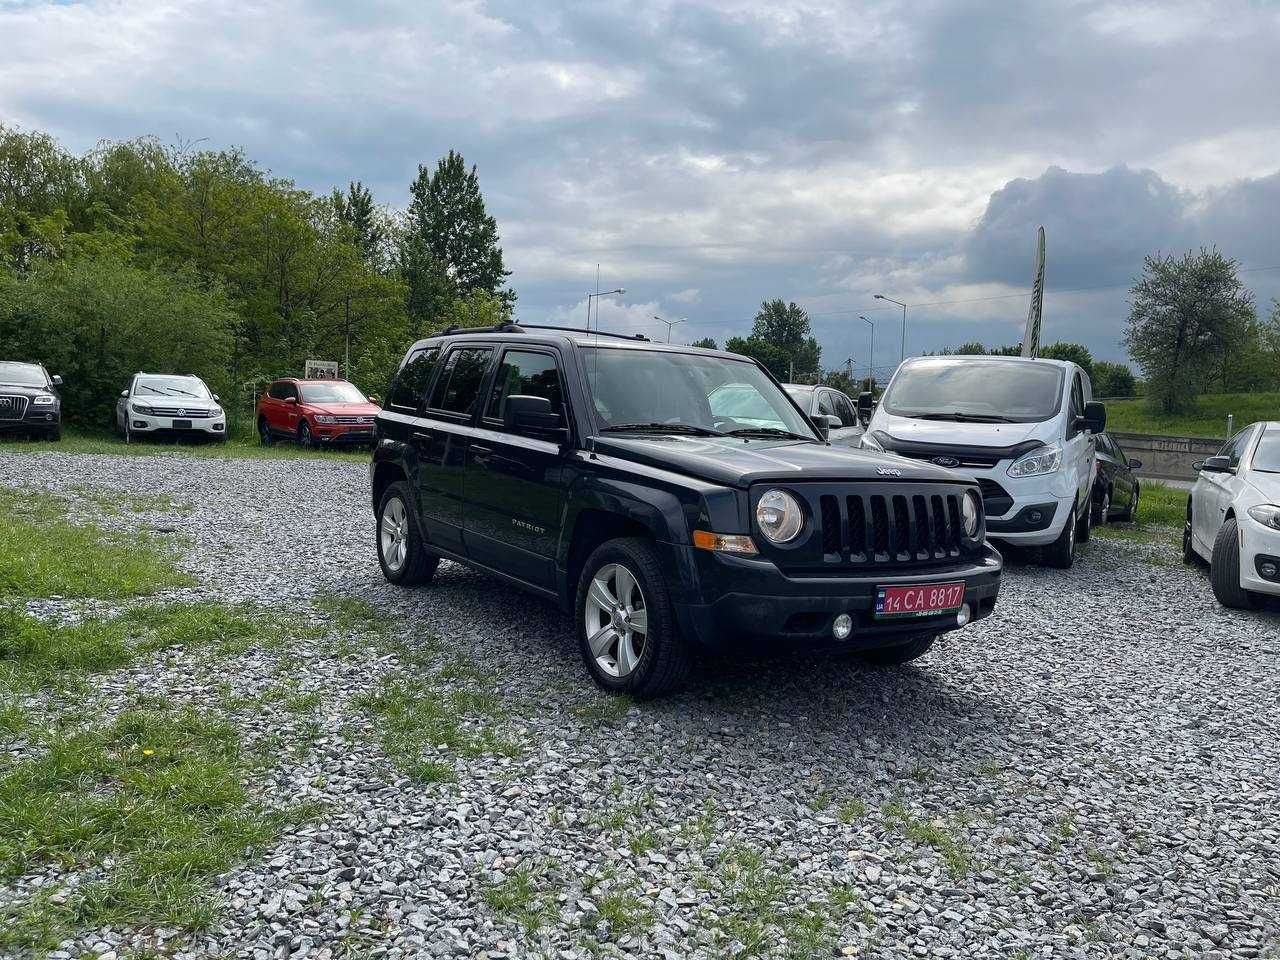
(1062, 552)
(895, 656)
(1224, 570)
(626, 626)
(1131, 512)
(1101, 509)
(402, 553)
(304, 435)
(264, 432)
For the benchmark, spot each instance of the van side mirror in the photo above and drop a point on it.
(1217, 464)
(866, 403)
(1095, 417)
(521, 414)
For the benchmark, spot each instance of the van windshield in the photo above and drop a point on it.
(659, 392)
(977, 389)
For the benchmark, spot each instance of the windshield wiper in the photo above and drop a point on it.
(766, 432)
(656, 427)
(964, 417)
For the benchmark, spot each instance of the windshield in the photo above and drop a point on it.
(1267, 457)
(652, 390)
(331, 391)
(172, 387)
(982, 390)
(25, 374)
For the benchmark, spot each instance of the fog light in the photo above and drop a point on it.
(140, 423)
(963, 615)
(842, 627)
(1268, 569)
(1035, 516)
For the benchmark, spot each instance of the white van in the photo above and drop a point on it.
(1023, 428)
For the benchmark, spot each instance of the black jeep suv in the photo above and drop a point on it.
(29, 401)
(672, 498)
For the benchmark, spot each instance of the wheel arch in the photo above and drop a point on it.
(384, 475)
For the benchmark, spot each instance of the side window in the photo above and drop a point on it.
(1077, 405)
(844, 410)
(410, 388)
(1239, 445)
(527, 374)
(825, 407)
(458, 385)
(276, 392)
(290, 390)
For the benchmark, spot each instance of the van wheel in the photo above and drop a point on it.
(402, 554)
(913, 649)
(1062, 552)
(626, 627)
(1224, 570)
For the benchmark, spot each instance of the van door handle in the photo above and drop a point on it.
(421, 435)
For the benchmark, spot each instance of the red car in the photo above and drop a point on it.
(316, 413)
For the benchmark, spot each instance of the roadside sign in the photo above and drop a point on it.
(321, 370)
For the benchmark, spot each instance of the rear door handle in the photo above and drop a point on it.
(479, 452)
(421, 435)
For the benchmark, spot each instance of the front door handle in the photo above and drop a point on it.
(479, 452)
(421, 435)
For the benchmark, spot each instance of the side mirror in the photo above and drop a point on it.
(124, 393)
(1095, 416)
(1218, 464)
(835, 423)
(290, 399)
(521, 414)
(373, 399)
(866, 405)
(821, 426)
(57, 380)
(216, 398)
(1135, 463)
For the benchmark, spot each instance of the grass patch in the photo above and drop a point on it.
(116, 503)
(516, 898)
(1207, 418)
(36, 652)
(350, 614)
(928, 833)
(154, 801)
(42, 555)
(624, 912)
(1161, 505)
(417, 719)
(235, 448)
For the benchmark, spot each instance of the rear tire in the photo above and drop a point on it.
(402, 552)
(1084, 523)
(662, 660)
(913, 649)
(1224, 570)
(1062, 552)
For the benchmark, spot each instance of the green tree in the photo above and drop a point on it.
(707, 343)
(358, 213)
(781, 339)
(1113, 380)
(1075, 352)
(839, 379)
(450, 245)
(1185, 315)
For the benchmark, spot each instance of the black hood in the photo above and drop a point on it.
(24, 390)
(734, 462)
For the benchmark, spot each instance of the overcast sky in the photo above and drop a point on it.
(709, 156)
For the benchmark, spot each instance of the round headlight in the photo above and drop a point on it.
(779, 516)
(970, 513)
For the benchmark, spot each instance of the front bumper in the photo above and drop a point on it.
(1037, 507)
(768, 609)
(36, 419)
(341, 433)
(204, 426)
(1259, 544)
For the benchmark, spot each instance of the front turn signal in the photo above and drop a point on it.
(725, 542)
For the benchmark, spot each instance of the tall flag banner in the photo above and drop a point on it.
(1031, 338)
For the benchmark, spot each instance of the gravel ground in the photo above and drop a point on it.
(1091, 772)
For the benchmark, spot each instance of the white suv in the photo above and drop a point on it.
(158, 403)
(1233, 517)
(1024, 428)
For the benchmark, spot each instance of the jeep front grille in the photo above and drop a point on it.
(890, 528)
(13, 407)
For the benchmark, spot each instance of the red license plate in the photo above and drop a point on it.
(918, 600)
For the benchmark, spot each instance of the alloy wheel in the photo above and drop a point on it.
(393, 534)
(617, 620)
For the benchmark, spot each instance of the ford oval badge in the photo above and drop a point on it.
(946, 461)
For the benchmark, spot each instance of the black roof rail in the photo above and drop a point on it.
(495, 328)
(597, 333)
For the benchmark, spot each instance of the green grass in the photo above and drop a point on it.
(235, 448)
(42, 555)
(1207, 418)
(516, 898)
(1162, 511)
(154, 801)
(952, 849)
(34, 652)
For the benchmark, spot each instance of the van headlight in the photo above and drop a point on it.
(1038, 462)
(1267, 514)
(779, 516)
(970, 513)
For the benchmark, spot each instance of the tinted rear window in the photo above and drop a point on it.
(458, 385)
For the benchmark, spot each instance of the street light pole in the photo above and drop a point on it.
(593, 296)
(669, 323)
(881, 296)
(871, 356)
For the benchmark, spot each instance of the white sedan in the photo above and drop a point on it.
(1233, 517)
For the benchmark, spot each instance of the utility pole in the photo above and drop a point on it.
(871, 353)
(881, 296)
